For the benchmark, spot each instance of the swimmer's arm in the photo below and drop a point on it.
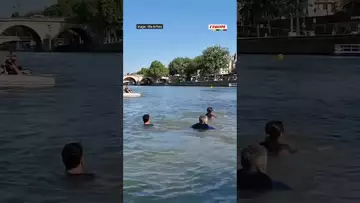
(290, 149)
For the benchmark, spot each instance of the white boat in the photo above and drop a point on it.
(131, 94)
(26, 81)
(232, 84)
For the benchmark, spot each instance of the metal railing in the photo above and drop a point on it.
(347, 49)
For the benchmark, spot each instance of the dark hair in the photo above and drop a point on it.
(209, 109)
(274, 129)
(146, 118)
(72, 154)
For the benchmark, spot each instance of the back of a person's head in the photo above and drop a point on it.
(203, 119)
(146, 118)
(274, 129)
(72, 154)
(254, 156)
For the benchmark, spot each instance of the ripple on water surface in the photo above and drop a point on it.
(35, 125)
(317, 98)
(171, 162)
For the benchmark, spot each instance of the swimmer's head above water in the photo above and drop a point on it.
(146, 119)
(72, 157)
(274, 130)
(210, 112)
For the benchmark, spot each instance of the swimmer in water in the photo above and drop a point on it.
(252, 176)
(146, 120)
(274, 130)
(72, 157)
(202, 125)
(210, 113)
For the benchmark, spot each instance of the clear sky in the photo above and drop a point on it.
(7, 7)
(185, 32)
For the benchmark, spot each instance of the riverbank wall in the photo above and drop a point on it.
(198, 84)
(302, 45)
(96, 48)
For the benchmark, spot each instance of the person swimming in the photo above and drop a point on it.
(72, 157)
(146, 120)
(210, 113)
(253, 175)
(202, 125)
(274, 131)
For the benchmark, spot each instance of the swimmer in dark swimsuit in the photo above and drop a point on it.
(210, 113)
(72, 157)
(146, 119)
(202, 125)
(274, 130)
(252, 176)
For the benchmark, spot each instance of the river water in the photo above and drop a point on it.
(171, 162)
(35, 125)
(318, 100)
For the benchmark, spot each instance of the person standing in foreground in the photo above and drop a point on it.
(252, 176)
(72, 157)
(202, 125)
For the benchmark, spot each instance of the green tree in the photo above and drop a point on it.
(84, 12)
(213, 59)
(15, 15)
(110, 19)
(157, 70)
(66, 7)
(32, 13)
(192, 69)
(53, 11)
(143, 71)
(179, 66)
(254, 11)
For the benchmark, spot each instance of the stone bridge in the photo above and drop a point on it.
(138, 79)
(44, 30)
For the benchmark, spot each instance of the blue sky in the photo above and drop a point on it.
(185, 32)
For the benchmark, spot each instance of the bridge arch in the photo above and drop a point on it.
(130, 78)
(146, 80)
(23, 31)
(76, 31)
